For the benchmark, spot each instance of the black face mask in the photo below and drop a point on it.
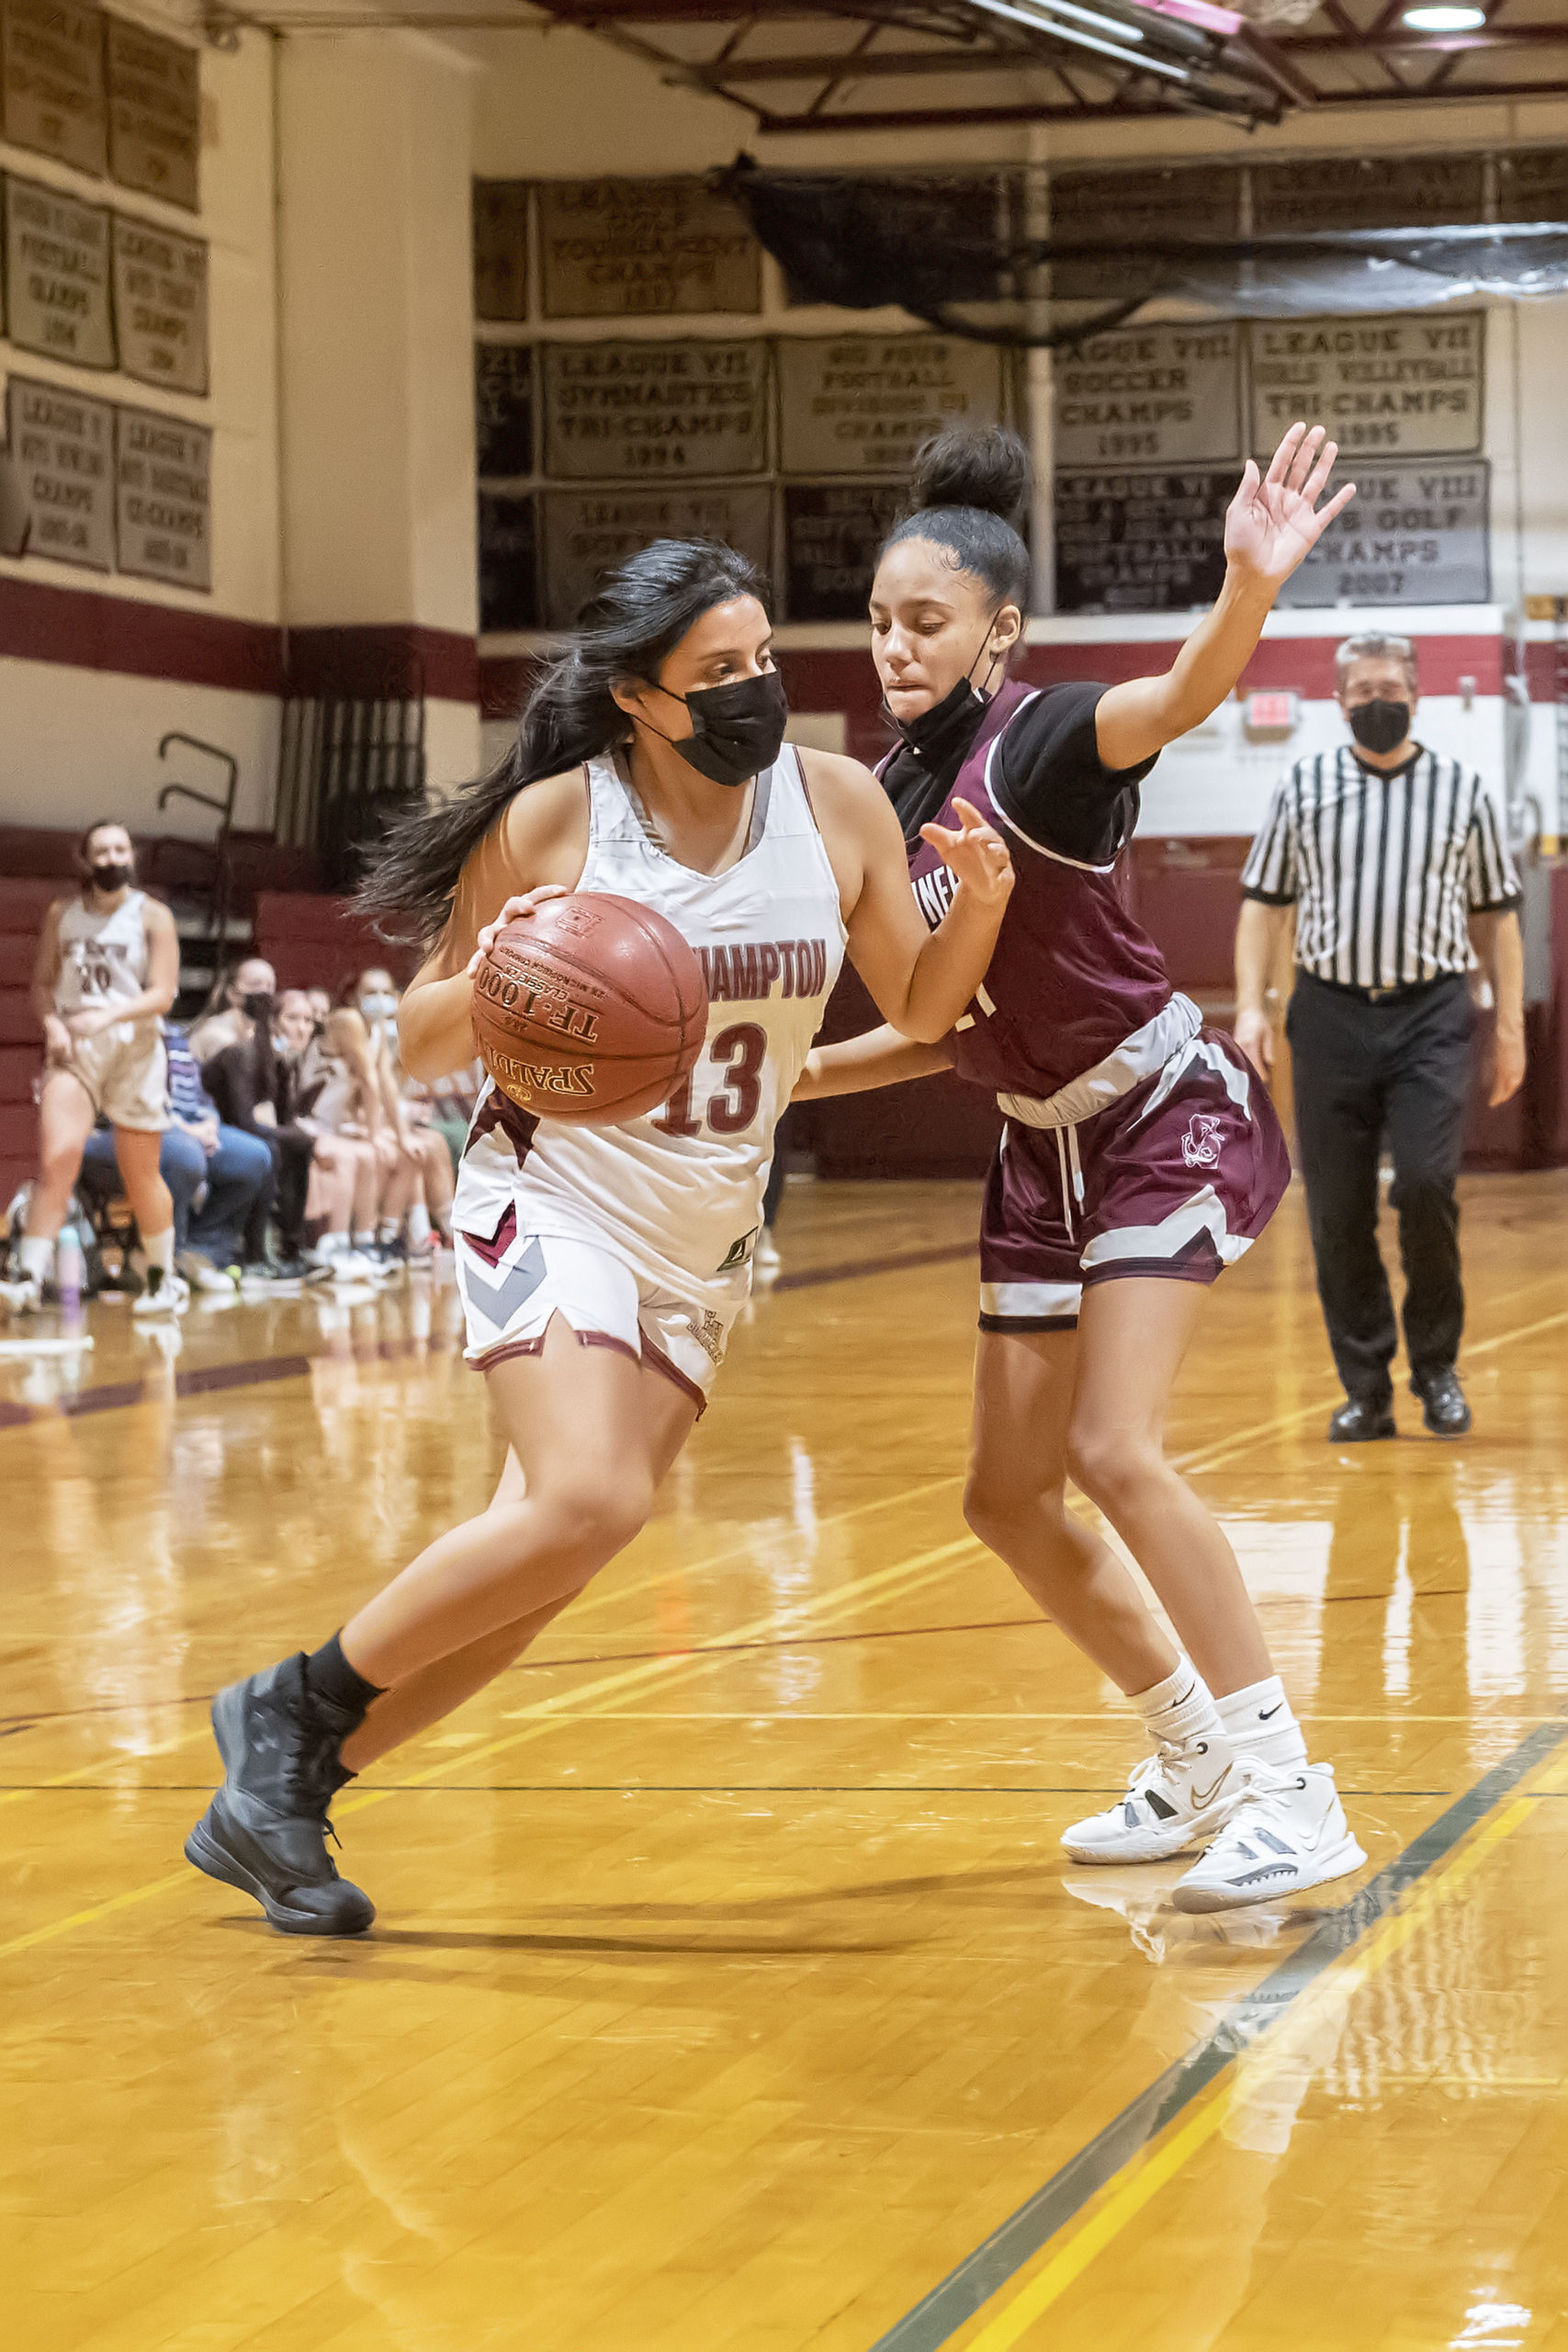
(1380, 726)
(258, 1005)
(935, 734)
(109, 878)
(736, 730)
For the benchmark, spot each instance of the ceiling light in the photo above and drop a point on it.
(1444, 19)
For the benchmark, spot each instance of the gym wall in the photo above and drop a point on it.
(336, 186)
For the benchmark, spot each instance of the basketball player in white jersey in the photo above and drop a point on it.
(107, 968)
(600, 1269)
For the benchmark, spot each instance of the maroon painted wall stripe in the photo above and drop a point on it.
(85, 630)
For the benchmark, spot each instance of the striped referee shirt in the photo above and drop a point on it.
(1384, 866)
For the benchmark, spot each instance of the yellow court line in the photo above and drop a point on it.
(923, 1567)
(600, 1595)
(1215, 1456)
(592, 1599)
(103, 1763)
(694, 1661)
(903, 1576)
(1148, 2174)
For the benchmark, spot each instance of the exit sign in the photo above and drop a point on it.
(1275, 714)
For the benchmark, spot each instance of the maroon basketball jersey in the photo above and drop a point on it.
(1072, 974)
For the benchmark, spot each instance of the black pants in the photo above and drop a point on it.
(1401, 1068)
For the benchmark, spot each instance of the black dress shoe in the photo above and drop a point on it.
(1443, 1405)
(1360, 1417)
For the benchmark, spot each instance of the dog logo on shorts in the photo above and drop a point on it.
(1200, 1144)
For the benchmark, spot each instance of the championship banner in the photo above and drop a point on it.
(1412, 535)
(854, 404)
(623, 248)
(588, 531)
(164, 498)
(62, 451)
(1406, 384)
(1153, 396)
(615, 411)
(57, 275)
(160, 303)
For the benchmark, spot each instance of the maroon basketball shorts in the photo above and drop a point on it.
(1176, 1179)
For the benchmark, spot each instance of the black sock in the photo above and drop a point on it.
(330, 1675)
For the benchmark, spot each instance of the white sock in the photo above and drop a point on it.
(1258, 1723)
(388, 1230)
(38, 1257)
(159, 1250)
(1181, 1708)
(365, 1240)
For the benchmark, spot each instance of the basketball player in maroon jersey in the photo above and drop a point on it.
(600, 1269)
(1140, 1156)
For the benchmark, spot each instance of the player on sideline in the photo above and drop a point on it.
(602, 1269)
(1140, 1154)
(108, 969)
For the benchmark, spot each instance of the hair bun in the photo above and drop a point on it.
(983, 467)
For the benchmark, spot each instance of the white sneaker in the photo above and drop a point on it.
(356, 1266)
(24, 1297)
(1176, 1798)
(170, 1295)
(203, 1275)
(1288, 1833)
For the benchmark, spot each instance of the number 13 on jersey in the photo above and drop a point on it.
(732, 1069)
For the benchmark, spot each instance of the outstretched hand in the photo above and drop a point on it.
(976, 855)
(1274, 520)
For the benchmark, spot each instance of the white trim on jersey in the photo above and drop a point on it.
(1057, 857)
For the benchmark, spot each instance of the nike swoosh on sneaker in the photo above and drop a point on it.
(1202, 1797)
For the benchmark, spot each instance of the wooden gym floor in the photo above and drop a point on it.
(730, 1992)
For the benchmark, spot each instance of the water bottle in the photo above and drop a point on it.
(69, 1268)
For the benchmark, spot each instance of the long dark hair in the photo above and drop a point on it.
(639, 614)
(969, 493)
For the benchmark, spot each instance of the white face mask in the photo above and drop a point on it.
(381, 1004)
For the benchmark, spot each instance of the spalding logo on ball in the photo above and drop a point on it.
(591, 1010)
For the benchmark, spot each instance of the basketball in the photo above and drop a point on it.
(590, 1011)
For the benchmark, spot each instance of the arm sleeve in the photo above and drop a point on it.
(1492, 884)
(1050, 782)
(1269, 873)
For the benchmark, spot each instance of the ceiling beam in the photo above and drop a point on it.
(870, 65)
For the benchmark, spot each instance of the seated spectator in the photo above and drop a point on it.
(423, 1177)
(249, 994)
(321, 1177)
(219, 1178)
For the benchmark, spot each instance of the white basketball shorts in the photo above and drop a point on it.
(513, 1285)
(126, 1072)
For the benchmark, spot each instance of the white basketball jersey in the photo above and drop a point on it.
(103, 957)
(682, 1188)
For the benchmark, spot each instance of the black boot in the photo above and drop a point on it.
(1443, 1405)
(1360, 1417)
(266, 1829)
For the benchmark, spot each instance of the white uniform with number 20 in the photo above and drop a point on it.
(641, 1235)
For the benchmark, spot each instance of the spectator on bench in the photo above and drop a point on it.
(254, 1082)
(220, 1178)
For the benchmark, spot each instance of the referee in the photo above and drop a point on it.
(1389, 860)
